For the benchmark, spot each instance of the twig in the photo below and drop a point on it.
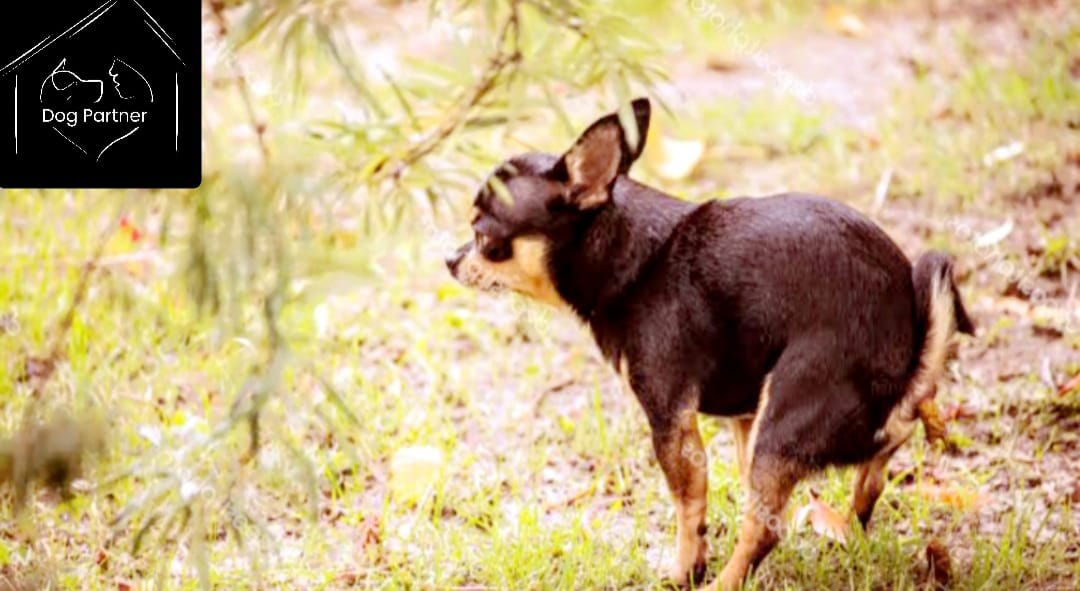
(217, 9)
(119, 260)
(881, 191)
(54, 352)
(571, 500)
(568, 21)
(1069, 386)
(499, 63)
(39, 370)
(557, 387)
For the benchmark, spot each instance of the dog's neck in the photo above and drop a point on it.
(621, 240)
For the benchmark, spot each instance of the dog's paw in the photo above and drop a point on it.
(689, 568)
(730, 579)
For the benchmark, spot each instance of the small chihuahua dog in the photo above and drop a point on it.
(792, 315)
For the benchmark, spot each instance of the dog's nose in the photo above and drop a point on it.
(453, 261)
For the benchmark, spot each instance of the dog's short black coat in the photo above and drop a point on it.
(736, 286)
(793, 311)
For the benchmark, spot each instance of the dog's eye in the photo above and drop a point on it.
(492, 249)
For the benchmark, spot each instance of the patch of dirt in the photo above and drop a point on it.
(854, 76)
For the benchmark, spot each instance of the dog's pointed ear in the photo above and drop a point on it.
(604, 151)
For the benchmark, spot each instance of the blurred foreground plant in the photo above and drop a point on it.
(291, 192)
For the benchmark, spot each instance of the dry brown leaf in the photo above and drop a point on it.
(369, 532)
(414, 472)
(939, 564)
(932, 420)
(37, 368)
(953, 496)
(102, 560)
(872, 138)
(1014, 306)
(1070, 386)
(672, 159)
(955, 412)
(720, 64)
(824, 520)
(570, 501)
(842, 20)
(349, 578)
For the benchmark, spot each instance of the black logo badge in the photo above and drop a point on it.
(101, 94)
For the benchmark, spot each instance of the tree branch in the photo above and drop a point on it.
(217, 9)
(503, 60)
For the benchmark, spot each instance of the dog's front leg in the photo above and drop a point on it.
(682, 457)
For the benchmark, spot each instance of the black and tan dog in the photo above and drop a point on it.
(792, 315)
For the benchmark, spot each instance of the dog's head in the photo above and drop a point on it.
(535, 203)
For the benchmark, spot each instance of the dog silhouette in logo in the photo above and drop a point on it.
(96, 110)
(65, 86)
(129, 83)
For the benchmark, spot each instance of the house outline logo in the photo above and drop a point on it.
(100, 95)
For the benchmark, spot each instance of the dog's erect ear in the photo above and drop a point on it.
(606, 149)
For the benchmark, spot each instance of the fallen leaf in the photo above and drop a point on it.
(932, 420)
(956, 412)
(349, 579)
(414, 471)
(881, 191)
(369, 532)
(1046, 374)
(840, 19)
(1070, 386)
(939, 564)
(1014, 306)
(570, 501)
(994, 236)
(953, 496)
(150, 433)
(37, 368)
(872, 138)
(102, 560)
(1004, 152)
(824, 520)
(670, 158)
(719, 64)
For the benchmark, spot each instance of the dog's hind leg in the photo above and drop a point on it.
(771, 481)
(682, 457)
(795, 425)
(868, 486)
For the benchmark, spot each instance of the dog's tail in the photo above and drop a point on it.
(939, 312)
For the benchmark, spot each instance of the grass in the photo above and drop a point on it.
(548, 481)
